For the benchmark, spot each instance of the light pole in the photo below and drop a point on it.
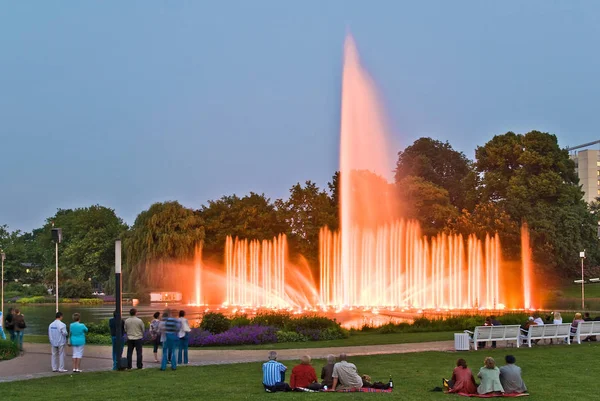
(118, 306)
(582, 256)
(57, 238)
(2, 256)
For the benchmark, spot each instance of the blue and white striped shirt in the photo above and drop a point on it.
(272, 372)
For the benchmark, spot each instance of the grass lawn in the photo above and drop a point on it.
(355, 339)
(574, 291)
(550, 372)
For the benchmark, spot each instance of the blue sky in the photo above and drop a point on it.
(126, 103)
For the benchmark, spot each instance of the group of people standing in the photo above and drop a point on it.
(15, 325)
(170, 332)
(59, 338)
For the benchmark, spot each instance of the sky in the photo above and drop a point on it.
(127, 103)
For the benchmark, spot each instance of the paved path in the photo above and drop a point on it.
(36, 360)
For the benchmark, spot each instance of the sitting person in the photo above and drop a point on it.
(274, 374)
(327, 371)
(575, 323)
(304, 375)
(525, 329)
(490, 378)
(510, 376)
(345, 375)
(462, 380)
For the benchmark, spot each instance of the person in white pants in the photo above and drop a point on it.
(57, 333)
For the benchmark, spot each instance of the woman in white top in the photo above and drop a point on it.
(184, 334)
(557, 318)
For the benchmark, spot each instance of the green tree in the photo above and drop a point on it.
(307, 210)
(252, 216)
(165, 234)
(438, 163)
(532, 179)
(426, 202)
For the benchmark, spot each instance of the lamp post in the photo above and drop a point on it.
(57, 238)
(2, 256)
(118, 306)
(582, 256)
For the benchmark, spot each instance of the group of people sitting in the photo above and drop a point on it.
(342, 375)
(494, 380)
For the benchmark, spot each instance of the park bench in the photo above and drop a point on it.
(548, 331)
(586, 329)
(494, 333)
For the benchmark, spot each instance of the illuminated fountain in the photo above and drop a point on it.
(377, 260)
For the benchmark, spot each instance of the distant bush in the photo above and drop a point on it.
(290, 337)
(91, 301)
(101, 339)
(240, 320)
(101, 328)
(276, 319)
(236, 336)
(75, 289)
(35, 300)
(215, 323)
(8, 350)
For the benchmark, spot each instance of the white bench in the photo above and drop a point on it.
(548, 331)
(495, 333)
(586, 329)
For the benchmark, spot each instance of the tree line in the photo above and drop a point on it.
(514, 178)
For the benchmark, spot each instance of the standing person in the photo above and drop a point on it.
(155, 334)
(170, 329)
(57, 334)
(2, 335)
(510, 376)
(134, 327)
(77, 332)
(116, 353)
(20, 327)
(9, 324)
(184, 339)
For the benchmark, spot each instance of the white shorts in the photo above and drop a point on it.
(78, 351)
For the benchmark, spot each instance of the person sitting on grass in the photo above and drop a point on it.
(327, 372)
(345, 375)
(304, 375)
(462, 380)
(274, 374)
(510, 377)
(490, 378)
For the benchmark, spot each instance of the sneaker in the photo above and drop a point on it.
(62, 370)
(55, 371)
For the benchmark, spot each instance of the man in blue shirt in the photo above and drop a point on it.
(274, 374)
(170, 328)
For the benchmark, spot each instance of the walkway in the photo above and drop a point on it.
(36, 361)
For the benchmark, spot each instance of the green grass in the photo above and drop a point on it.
(355, 339)
(550, 372)
(574, 291)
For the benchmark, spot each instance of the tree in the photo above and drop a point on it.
(253, 217)
(334, 197)
(532, 179)
(162, 236)
(307, 210)
(426, 202)
(438, 163)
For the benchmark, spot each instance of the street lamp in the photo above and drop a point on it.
(118, 306)
(582, 256)
(57, 238)
(3, 257)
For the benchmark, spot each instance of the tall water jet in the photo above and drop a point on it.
(198, 273)
(526, 266)
(362, 147)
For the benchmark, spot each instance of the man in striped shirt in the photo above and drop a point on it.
(170, 328)
(274, 374)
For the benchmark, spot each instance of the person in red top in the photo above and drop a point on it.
(304, 375)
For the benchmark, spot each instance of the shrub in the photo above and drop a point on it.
(94, 338)
(290, 337)
(143, 297)
(310, 322)
(240, 320)
(101, 328)
(241, 335)
(75, 289)
(91, 301)
(8, 350)
(35, 300)
(276, 319)
(215, 322)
